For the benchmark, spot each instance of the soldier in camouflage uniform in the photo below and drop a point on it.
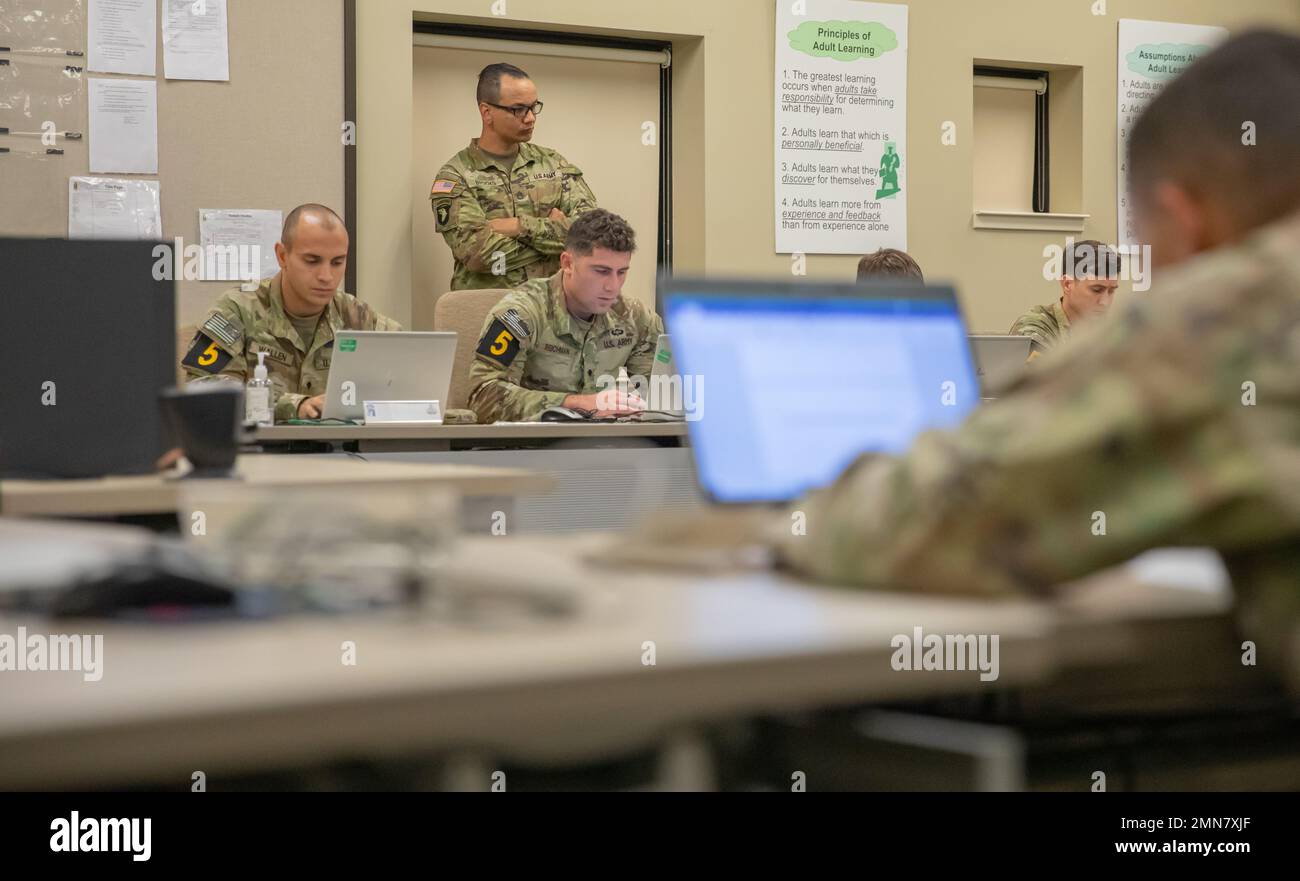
(1087, 290)
(1177, 418)
(503, 204)
(292, 317)
(559, 341)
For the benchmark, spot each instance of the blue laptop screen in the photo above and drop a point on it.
(791, 389)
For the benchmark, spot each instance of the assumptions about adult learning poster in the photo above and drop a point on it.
(841, 126)
(1151, 53)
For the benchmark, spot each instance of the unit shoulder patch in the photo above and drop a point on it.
(500, 343)
(206, 355)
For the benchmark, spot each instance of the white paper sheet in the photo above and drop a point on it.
(123, 126)
(239, 245)
(195, 42)
(123, 36)
(107, 208)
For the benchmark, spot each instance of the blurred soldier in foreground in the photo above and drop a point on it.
(1178, 418)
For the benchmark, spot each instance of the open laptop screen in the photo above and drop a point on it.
(801, 378)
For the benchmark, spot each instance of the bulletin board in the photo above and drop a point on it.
(270, 138)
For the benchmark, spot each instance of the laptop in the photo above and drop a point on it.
(664, 364)
(803, 377)
(999, 360)
(669, 393)
(89, 343)
(387, 366)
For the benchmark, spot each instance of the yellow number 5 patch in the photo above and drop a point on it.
(499, 344)
(206, 355)
(503, 341)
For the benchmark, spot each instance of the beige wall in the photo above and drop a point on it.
(723, 72)
(269, 138)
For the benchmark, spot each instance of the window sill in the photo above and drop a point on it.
(1029, 220)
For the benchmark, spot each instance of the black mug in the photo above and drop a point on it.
(206, 422)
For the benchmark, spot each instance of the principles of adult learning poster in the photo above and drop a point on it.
(841, 126)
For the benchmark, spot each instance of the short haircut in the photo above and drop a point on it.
(599, 229)
(489, 81)
(290, 230)
(888, 263)
(1194, 133)
(1091, 259)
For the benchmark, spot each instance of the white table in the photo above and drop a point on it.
(228, 698)
(160, 494)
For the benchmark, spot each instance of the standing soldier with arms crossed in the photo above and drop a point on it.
(503, 204)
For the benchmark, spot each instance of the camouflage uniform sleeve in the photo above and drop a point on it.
(642, 358)
(286, 406)
(375, 321)
(546, 235)
(1129, 438)
(1026, 325)
(359, 315)
(498, 366)
(216, 354)
(463, 223)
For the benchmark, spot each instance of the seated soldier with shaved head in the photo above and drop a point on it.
(292, 317)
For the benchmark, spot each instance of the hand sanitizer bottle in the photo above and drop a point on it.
(257, 395)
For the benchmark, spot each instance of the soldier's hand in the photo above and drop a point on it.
(311, 408)
(558, 215)
(169, 459)
(606, 404)
(612, 402)
(506, 226)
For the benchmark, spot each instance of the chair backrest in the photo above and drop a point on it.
(184, 337)
(464, 312)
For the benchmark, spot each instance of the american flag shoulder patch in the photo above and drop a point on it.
(219, 328)
(510, 318)
(443, 187)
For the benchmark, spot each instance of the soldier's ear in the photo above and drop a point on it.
(281, 254)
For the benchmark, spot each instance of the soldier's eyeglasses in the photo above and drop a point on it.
(519, 111)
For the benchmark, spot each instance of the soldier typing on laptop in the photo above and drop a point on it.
(553, 342)
(292, 318)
